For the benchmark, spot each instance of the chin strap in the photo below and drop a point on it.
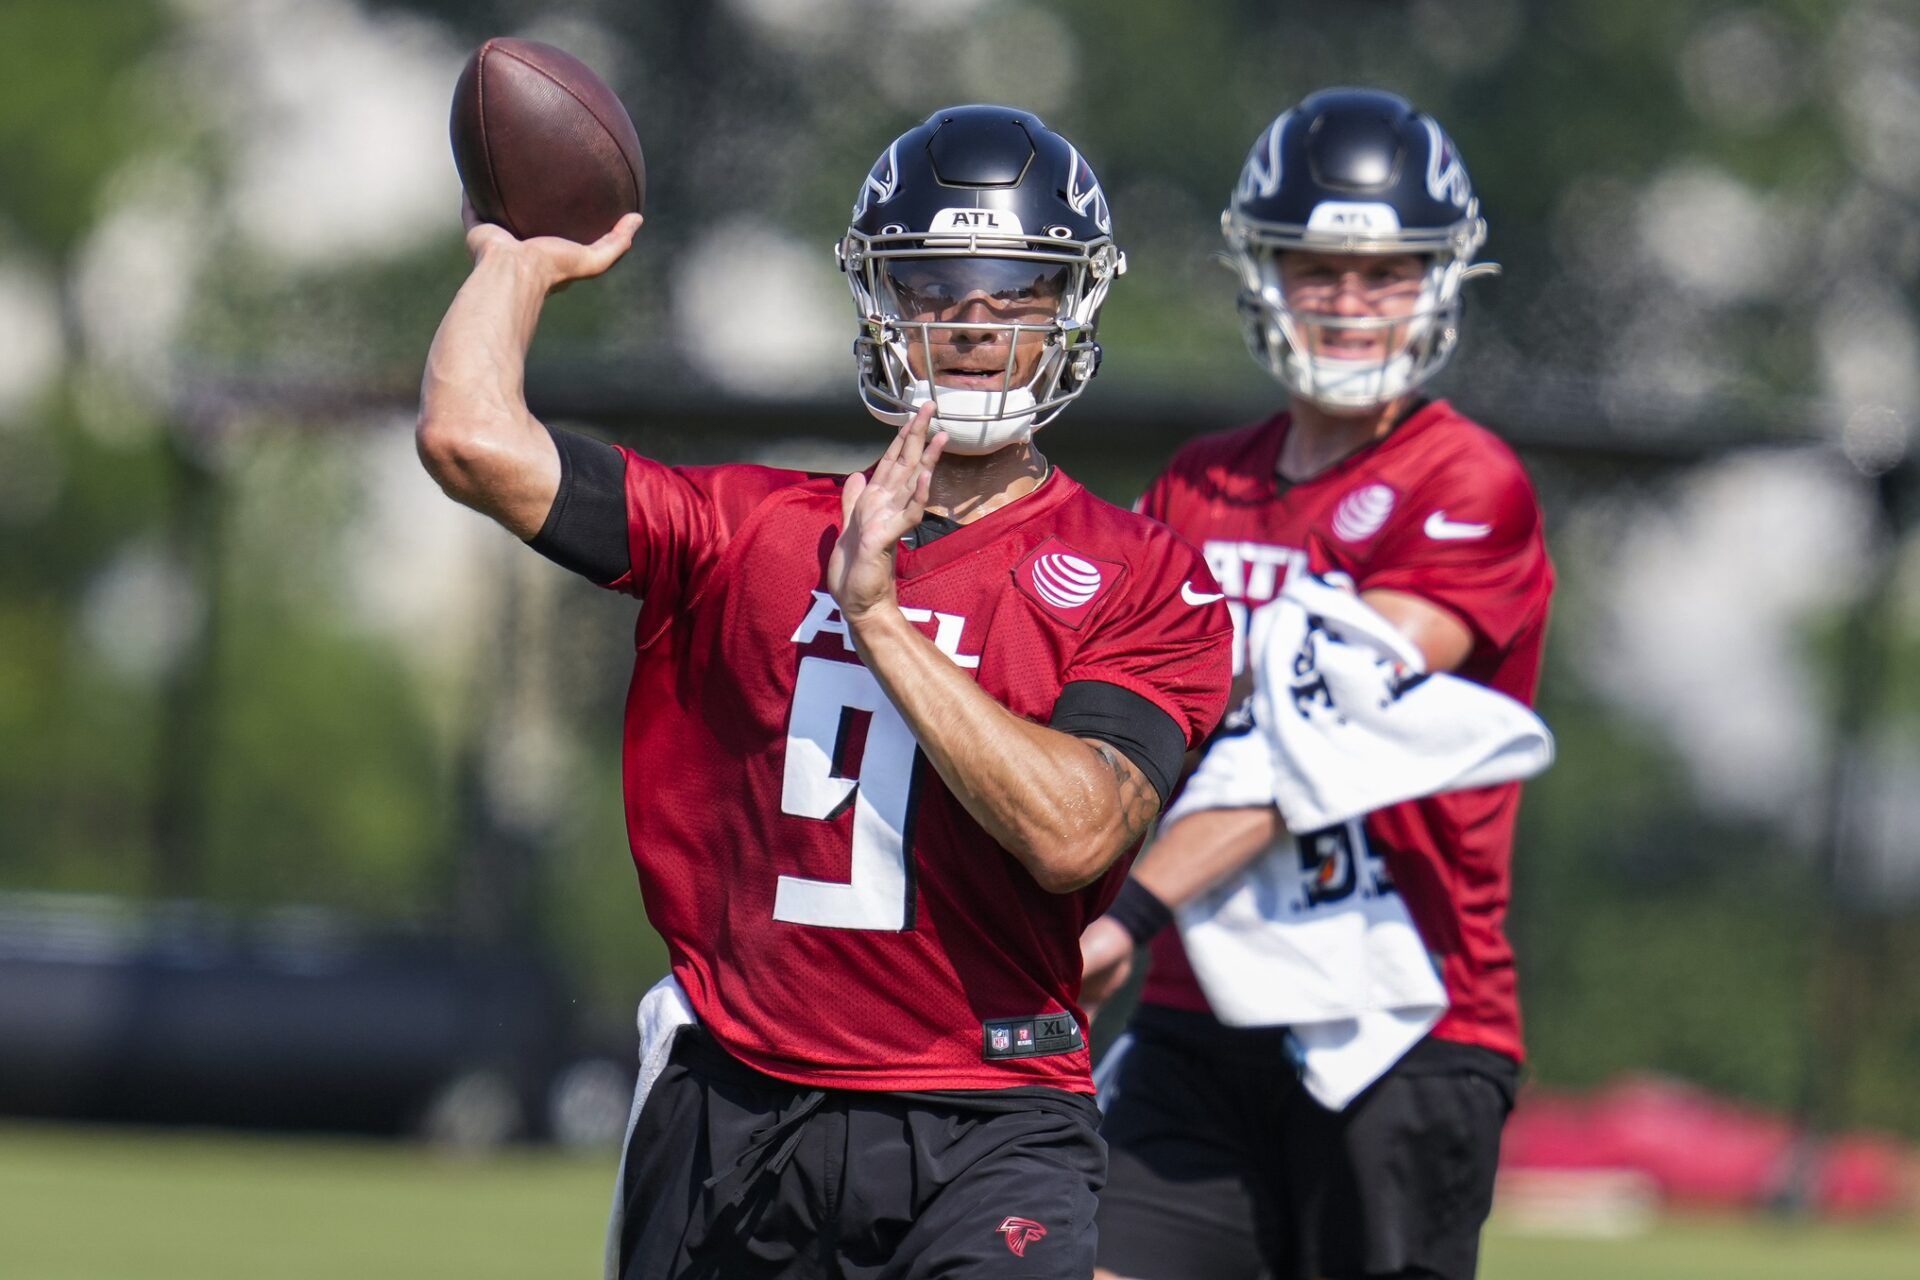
(982, 421)
(1351, 385)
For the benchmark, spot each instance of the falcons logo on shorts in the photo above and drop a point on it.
(1021, 1232)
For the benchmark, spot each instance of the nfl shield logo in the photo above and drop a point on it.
(1000, 1039)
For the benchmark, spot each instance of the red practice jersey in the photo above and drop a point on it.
(836, 916)
(1440, 509)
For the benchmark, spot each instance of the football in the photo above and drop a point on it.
(543, 146)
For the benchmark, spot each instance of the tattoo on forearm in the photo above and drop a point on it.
(1139, 802)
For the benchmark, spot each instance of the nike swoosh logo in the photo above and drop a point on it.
(1444, 530)
(1191, 596)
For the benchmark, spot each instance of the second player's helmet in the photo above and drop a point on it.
(979, 253)
(1353, 171)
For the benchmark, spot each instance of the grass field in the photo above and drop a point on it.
(113, 1204)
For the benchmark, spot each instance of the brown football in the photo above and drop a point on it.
(544, 148)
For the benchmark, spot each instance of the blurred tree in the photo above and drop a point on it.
(1708, 216)
(72, 114)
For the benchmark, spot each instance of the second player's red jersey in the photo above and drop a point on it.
(1439, 509)
(835, 915)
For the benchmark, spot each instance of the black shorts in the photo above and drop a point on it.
(734, 1175)
(1223, 1167)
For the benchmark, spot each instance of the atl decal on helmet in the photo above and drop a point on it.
(1362, 512)
(1357, 217)
(1004, 223)
(1065, 581)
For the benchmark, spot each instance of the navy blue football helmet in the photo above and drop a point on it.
(979, 253)
(1353, 171)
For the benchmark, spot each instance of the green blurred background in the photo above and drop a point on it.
(250, 657)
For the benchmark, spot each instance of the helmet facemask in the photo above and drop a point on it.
(1299, 348)
(1008, 321)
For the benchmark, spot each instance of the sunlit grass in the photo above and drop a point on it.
(1712, 1249)
(109, 1204)
(97, 1203)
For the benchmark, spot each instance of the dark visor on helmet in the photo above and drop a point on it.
(936, 288)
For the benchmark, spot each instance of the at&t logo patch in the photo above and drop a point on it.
(1064, 582)
(1362, 512)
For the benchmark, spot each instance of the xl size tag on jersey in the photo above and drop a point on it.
(1064, 582)
(1030, 1037)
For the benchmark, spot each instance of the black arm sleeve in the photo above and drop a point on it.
(1137, 728)
(586, 529)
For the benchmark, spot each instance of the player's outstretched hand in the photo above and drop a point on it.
(1106, 961)
(558, 262)
(875, 513)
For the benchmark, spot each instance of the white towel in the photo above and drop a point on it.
(1355, 724)
(663, 1011)
(1312, 935)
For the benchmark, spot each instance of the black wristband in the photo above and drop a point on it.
(1139, 911)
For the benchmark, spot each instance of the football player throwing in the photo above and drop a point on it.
(889, 736)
